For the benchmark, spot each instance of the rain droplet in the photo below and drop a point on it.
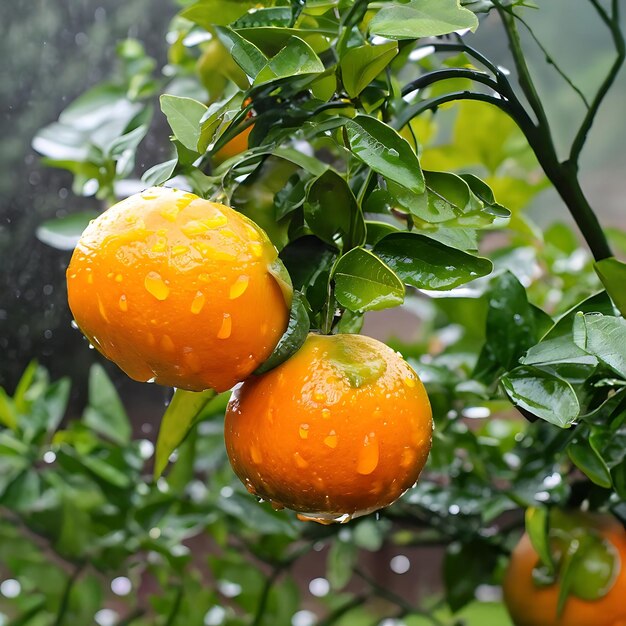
(304, 431)
(119, 278)
(393, 152)
(408, 458)
(160, 245)
(198, 227)
(167, 344)
(197, 303)
(102, 311)
(409, 381)
(123, 303)
(156, 286)
(326, 413)
(368, 456)
(300, 462)
(178, 250)
(256, 247)
(256, 455)
(331, 439)
(238, 287)
(225, 328)
(74, 325)
(319, 396)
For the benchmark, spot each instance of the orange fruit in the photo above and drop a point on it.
(598, 587)
(339, 430)
(237, 145)
(178, 289)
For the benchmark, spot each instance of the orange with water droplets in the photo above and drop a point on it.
(595, 545)
(178, 289)
(339, 430)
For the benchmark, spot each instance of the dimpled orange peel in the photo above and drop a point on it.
(178, 290)
(339, 430)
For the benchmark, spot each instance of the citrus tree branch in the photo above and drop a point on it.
(446, 74)
(612, 22)
(550, 59)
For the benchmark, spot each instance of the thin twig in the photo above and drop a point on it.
(446, 74)
(618, 39)
(551, 60)
(340, 611)
(173, 614)
(65, 598)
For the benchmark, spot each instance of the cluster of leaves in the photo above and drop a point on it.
(373, 199)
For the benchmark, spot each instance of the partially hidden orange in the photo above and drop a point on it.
(339, 430)
(597, 591)
(178, 290)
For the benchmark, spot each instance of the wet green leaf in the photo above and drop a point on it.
(361, 65)
(184, 115)
(612, 273)
(364, 283)
(425, 263)
(380, 147)
(295, 59)
(209, 13)
(604, 337)
(590, 462)
(537, 527)
(345, 220)
(291, 340)
(179, 418)
(543, 394)
(249, 58)
(422, 18)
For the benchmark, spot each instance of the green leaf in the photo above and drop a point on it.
(543, 394)
(510, 320)
(178, 420)
(8, 414)
(184, 116)
(159, 173)
(604, 337)
(425, 263)
(105, 412)
(537, 523)
(291, 340)
(295, 59)
(247, 56)
(364, 283)
(209, 13)
(361, 65)
(590, 462)
(485, 194)
(63, 233)
(380, 147)
(612, 273)
(340, 563)
(344, 220)
(422, 18)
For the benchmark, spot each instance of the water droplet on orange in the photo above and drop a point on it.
(160, 245)
(256, 247)
(156, 286)
(319, 396)
(149, 194)
(171, 211)
(167, 344)
(409, 381)
(253, 233)
(89, 276)
(204, 278)
(225, 328)
(368, 455)
(407, 458)
(304, 431)
(72, 275)
(178, 250)
(238, 287)
(326, 413)
(191, 359)
(300, 462)
(331, 439)
(110, 275)
(256, 455)
(151, 340)
(119, 278)
(123, 303)
(103, 313)
(199, 227)
(227, 232)
(197, 303)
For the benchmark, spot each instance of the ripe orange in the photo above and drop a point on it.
(532, 604)
(235, 146)
(178, 289)
(339, 430)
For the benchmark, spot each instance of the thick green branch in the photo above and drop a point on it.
(618, 39)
